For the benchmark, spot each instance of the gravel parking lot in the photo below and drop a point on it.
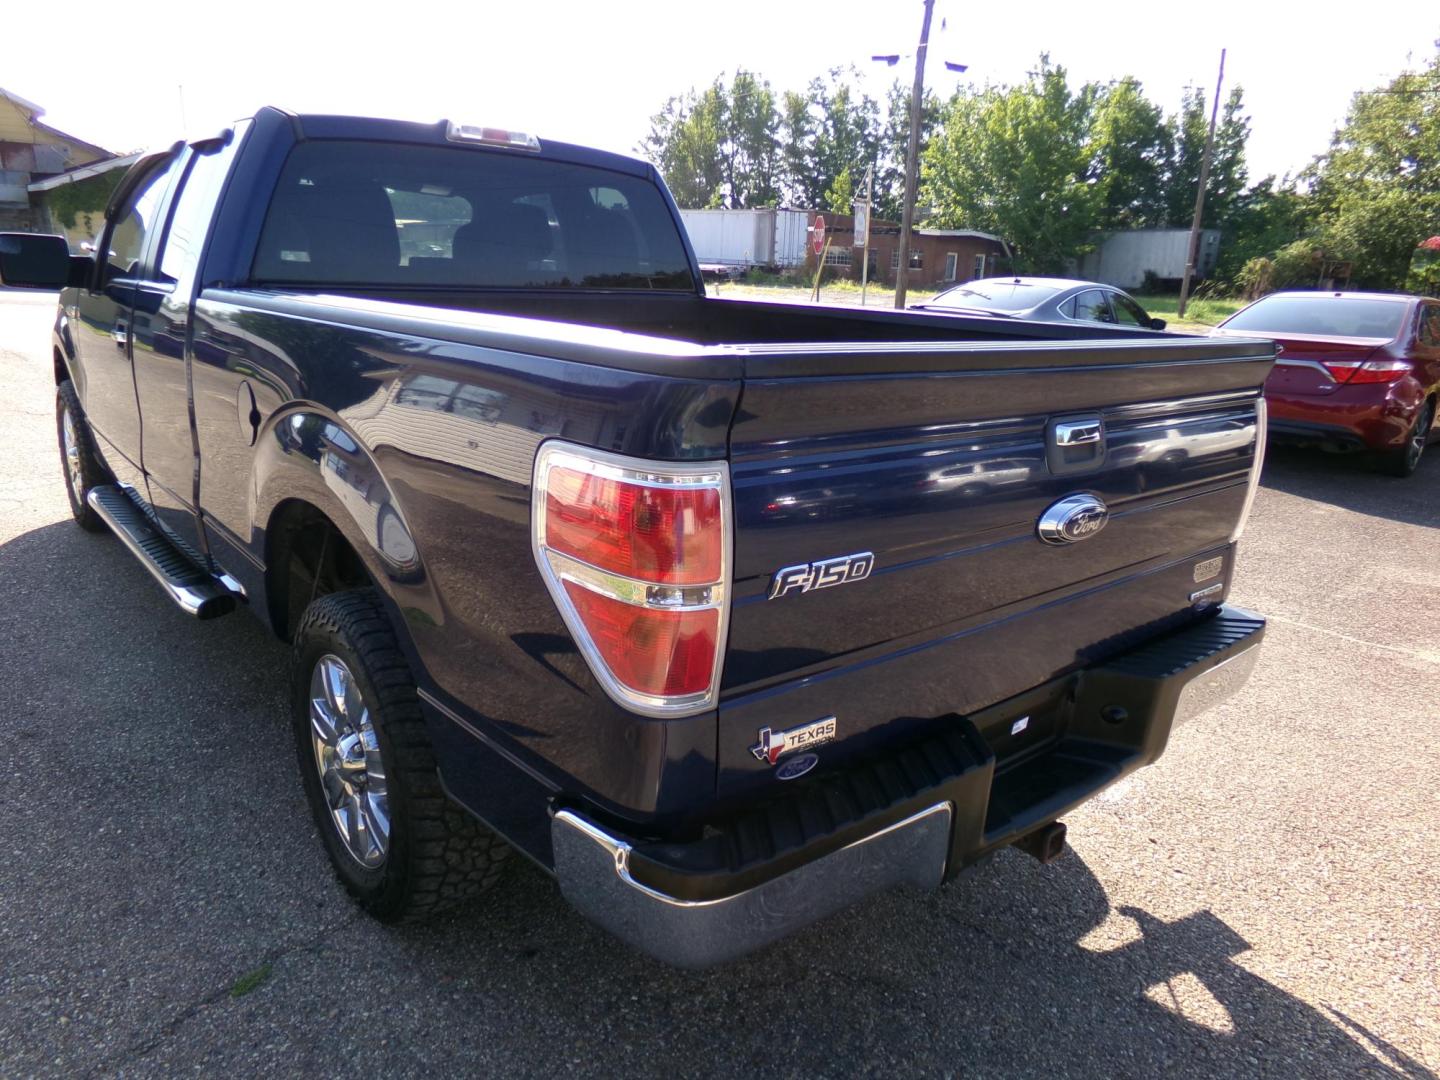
(1265, 901)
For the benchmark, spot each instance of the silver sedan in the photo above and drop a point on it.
(1037, 299)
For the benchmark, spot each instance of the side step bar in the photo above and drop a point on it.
(192, 589)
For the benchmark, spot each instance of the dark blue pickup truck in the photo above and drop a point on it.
(725, 613)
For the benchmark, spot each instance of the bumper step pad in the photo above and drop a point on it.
(177, 569)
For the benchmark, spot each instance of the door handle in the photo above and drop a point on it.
(1077, 434)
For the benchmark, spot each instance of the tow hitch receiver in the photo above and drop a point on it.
(1046, 844)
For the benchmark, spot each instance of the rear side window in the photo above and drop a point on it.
(391, 214)
(1430, 325)
(190, 219)
(1089, 306)
(1326, 316)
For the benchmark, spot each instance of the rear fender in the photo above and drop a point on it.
(304, 454)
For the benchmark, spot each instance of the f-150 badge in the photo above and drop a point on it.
(774, 744)
(822, 574)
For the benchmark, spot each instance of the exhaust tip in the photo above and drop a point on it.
(1046, 844)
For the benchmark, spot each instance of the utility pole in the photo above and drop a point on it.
(1200, 195)
(865, 239)
(907, 217)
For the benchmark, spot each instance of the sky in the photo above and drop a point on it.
(594, 73)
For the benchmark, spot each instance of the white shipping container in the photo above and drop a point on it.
(1123, 258)
(732, 237)
(792, 234)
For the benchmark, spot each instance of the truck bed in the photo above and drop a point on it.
(927, 449)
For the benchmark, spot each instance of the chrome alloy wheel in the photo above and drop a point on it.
(1415, 448)
(347, 753)
(74, 470)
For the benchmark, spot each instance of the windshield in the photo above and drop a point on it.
(1324, 316)
(995, 296)
(392, 214)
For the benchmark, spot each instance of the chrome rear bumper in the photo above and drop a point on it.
(594, 874)
(1224, 680)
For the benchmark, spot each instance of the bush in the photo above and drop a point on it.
(1294, 265)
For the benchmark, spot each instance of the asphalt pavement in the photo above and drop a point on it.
(1264, 901)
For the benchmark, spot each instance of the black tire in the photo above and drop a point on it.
(438, 854)
(86, 472)
(1404, 461)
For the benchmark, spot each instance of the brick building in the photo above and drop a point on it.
(938, 257)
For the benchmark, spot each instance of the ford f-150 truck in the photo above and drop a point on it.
(725, 613)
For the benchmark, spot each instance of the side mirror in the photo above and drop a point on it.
(1157, 324)
(34, 261)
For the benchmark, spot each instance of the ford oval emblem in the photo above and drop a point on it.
(1073, 518)
(797, 767)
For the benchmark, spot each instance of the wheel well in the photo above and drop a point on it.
(61, 371)
(307, 556)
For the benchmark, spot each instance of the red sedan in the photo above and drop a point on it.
(1359, 371)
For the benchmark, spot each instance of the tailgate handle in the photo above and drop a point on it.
(1075, 444)
(1077, 434)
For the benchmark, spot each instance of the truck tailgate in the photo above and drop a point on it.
(939, 460)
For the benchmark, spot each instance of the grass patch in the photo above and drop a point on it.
(1207, 310)
(251, 980)
(791, 291)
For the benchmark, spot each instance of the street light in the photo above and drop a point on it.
(912, 152)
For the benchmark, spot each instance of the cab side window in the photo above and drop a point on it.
(1127, 312)
(135, 224)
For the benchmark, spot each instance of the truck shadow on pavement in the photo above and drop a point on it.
(1014, 969)
(1351, 483)
(993, 973)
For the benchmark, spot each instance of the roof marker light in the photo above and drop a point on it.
(474, 133)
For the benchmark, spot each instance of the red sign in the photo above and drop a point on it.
(817, 234)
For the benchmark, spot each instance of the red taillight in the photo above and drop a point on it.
(1354, 372)
(635, 554)
(658, 653)
(664, 535)
(1341, 370)
(1380, 371)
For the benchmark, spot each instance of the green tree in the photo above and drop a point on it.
(797, 132)
(1188, 130)
(720, 146)
(889, 188)
(1262, 220)
(1377, 189)
(685, 145)
(841, 196)
(1130, 148)
(1015, 161)
(752, 125)
(827, 130)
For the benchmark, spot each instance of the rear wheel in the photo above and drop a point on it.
(1404, 460)
(396, 842)
(78, 460)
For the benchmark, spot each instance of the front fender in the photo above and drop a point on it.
(306, 455)
(62, 342)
